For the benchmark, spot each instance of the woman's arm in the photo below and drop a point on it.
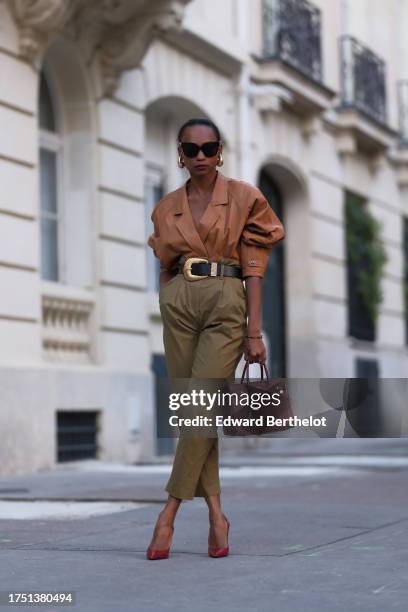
(254, 349)
(262, 231)
(154, 243)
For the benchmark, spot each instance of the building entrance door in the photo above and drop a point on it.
(273, 309)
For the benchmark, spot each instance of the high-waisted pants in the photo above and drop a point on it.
(204, 324)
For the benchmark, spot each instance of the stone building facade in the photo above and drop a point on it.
(312, 101)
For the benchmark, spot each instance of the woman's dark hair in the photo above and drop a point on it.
(199, 121)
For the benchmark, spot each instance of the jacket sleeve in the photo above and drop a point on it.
(154, 239)
(262, 230)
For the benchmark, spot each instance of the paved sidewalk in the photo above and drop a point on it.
(311, 529)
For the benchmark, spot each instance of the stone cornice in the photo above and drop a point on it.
(118, 31)
(125, 45)
(38, 21)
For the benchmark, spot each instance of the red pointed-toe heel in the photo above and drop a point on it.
(215, 551)
(154, 554)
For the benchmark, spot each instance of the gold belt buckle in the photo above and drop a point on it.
(188, 275)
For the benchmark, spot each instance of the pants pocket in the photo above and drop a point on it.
(163, 288)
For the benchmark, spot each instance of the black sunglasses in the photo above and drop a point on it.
(190, 149)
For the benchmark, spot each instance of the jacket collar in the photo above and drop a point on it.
(197, 236)
(219, 196)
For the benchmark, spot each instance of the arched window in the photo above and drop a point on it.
(50, 184)
(67, 215)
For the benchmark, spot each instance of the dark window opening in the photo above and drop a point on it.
(360, 323)
(77, 435)
(164, 445)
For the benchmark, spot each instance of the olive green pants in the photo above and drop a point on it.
(204, 324)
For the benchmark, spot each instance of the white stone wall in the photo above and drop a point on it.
(19, 283)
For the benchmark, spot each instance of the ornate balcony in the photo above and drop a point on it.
(399, 154)
(363, 80)
(118, 32)
(291, 31)
(291, 55)
(66, 323)
(363, 103)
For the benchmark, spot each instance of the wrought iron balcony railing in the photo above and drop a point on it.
(363, 79)
(403, 111)
(292, 32)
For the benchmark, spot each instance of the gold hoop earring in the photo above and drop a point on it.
(180, 162)
(220, 160)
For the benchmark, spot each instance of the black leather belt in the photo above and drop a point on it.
(206, 268)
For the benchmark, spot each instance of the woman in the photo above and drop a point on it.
(230, 227)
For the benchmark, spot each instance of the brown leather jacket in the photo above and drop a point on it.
(238, 226)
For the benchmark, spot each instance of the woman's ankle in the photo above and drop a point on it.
(216, 518)
(166, 518)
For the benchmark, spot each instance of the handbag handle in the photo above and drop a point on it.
(246, 371)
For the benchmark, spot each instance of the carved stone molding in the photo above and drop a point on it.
(125, 45)
(117, 31)
(38, 21)
(67, 323)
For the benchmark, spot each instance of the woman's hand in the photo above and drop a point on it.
(254, 350)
